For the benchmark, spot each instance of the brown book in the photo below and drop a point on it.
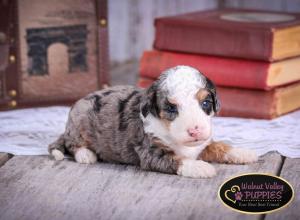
(261, 35)
(247, 103)
(51, 52)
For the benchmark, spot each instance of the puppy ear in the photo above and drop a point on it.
(210, 86)
(149, 103)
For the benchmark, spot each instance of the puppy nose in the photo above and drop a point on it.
(194, 132)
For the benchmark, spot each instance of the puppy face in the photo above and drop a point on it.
(179, 106)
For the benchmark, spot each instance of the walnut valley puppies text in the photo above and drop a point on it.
(269, 191)
(256, 193)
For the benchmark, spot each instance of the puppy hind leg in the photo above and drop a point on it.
(57, 148)
(78, 144)
(85, 155)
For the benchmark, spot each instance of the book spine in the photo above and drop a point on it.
(203, 39)
(222, 71)
(246, 103)
(242, 103)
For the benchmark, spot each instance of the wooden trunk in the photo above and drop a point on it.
(52, 51)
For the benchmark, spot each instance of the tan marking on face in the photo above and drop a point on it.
(215, 152)
(172, 101)
(165, 121)
(201, 94)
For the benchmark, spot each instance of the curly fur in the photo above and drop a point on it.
(164, 128)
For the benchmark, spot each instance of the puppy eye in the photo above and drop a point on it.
(171, 109)
(206, 105)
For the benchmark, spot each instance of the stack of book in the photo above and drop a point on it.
(252, 56)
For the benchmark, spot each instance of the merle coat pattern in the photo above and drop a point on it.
(109, 124)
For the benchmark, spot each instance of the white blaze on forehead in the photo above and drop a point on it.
(183, 81)
(181, 84)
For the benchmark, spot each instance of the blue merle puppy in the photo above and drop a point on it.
(165, 128)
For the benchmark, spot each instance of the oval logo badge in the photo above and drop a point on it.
(256, 193)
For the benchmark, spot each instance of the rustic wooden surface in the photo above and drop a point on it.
(4, 157)
(131, 23)
(125, 74)
(291, 172)
(36, 187)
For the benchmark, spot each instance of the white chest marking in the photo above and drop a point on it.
(189, 152)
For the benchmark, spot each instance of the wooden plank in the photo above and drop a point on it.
(4, 157)
(131, 28)
(275, 5)
(40, 188)
(292, 5)
(291, 172)
(232, 3)
(125, 74)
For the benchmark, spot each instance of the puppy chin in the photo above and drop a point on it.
(193, 143)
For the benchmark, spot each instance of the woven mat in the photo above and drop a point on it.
(30, 131)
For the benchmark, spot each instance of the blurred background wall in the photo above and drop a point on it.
(131, 29)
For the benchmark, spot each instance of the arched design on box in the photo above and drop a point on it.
(39, 39)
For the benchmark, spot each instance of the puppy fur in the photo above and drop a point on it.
(165, 128)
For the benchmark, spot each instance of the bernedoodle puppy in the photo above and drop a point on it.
(165, 128)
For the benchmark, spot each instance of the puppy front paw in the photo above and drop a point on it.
(240, 156)
(196, 169)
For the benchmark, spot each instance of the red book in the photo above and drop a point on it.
(261, 35)
(247, 103)
(224, 71)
